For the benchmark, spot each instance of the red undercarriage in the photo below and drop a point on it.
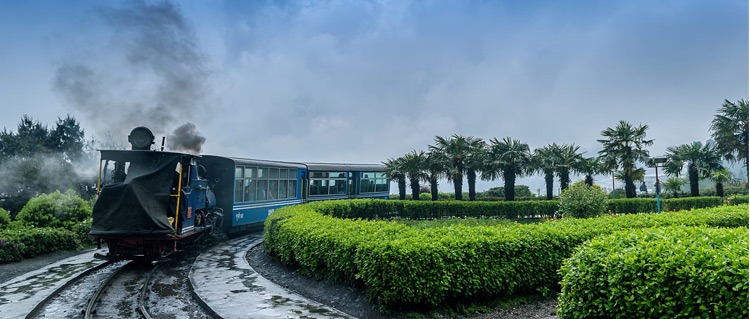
(146, 247)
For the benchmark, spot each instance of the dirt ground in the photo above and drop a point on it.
(354, 302)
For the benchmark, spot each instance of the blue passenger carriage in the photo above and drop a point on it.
(249, 190)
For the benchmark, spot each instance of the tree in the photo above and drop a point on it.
(674, 184)
(720, 177)
(67, 139)
(395, 172)
(543, 161)
(567, 159)
(729, 129)
(456, 149)
(474, 162)
(700, 159)
(624, 146)
(590, 166)
(436, 165)
(413, 164)
(508, 158)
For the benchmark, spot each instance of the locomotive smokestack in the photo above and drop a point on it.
(141, 138)
(186, 138)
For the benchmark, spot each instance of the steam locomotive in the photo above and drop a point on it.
(154, 203)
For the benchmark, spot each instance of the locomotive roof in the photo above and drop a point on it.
(134, 155)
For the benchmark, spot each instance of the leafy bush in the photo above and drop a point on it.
(583, 201)
(403, 266)
(4, 218)
(386, 209)
(648, 205)
(736, 200)
(673, 272)
(82, 230)
(55, 210)
(16, 244)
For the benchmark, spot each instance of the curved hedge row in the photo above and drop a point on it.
(385, 209)
(402, 266)
(673, 272)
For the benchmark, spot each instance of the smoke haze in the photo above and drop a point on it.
(161, 78)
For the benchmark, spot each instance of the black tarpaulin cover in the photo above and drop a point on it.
(138, 205)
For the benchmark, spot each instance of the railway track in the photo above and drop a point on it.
(118, 287)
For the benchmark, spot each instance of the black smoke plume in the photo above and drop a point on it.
(150, 72)
(186, 138)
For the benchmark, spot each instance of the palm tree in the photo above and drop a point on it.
(590, 166)
(413, 163)
(543, 161)
(394, 170)
(624, 146)
(720, 177)
(474, 162)
(729, 129)
(436, 164)
(508, 157)
(568, 160)
(700, 159)
(674, 184)
(455, 148)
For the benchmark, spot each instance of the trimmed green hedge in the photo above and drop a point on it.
(672, 272)
(387, 209)
(16, 244)
(404, 266)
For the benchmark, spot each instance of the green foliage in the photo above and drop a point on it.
(386, 209)
(19, 243)
(671, 272)
(648, 205)
(55, 210)
(4, 218)
(402, 266)
(583, 201)
(737, 200)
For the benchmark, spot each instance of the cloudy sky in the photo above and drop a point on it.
(364, 81)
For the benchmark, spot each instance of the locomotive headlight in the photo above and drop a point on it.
(141, 138)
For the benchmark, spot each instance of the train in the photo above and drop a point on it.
(152, 203)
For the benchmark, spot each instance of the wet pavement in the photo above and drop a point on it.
(226, 283)
(18, 296)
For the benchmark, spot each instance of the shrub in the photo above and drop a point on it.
(4, 218)
(648, 205)
(82, 230)
(582, 201)
(26, 243)
(55, 210)
(403, 266)
(673, 272)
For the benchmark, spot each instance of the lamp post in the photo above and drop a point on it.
(654, 162)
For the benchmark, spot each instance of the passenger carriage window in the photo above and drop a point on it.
(381, 185)
(283, 184)
(273, 188)
(273, 173)
(238, 184)
(249, 189)
(238, 190)
(292, 189)
(262, 190)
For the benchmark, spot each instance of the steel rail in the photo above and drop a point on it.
(98, 293)
(144, 291)
(35, 311)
